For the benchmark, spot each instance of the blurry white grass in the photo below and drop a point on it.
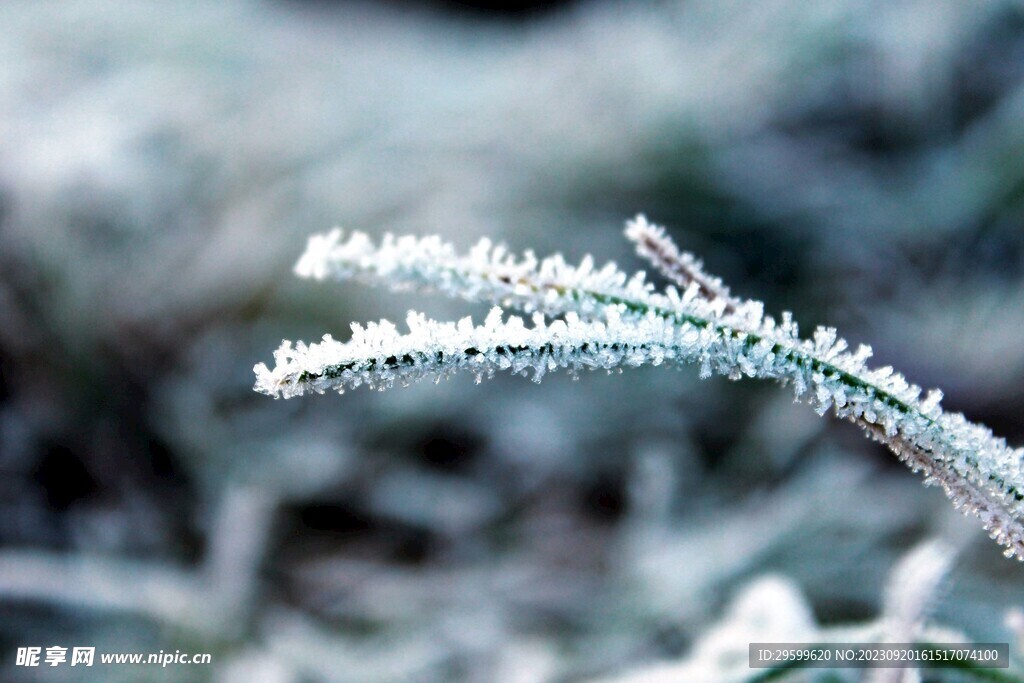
(911, 592)
(771, 609)
(608, 320)
(213, 601)
(289, 647)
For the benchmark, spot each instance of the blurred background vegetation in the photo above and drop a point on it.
(858, 163)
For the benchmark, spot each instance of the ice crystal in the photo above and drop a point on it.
(606, 319)
(681, 267)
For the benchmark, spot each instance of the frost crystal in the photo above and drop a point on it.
(681, 267)
(608, 320)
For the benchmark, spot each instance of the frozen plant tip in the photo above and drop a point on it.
(604, 319)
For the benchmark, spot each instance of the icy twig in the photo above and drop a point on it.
(612, 320)
(681, 267)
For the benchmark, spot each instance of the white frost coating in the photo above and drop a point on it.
(681, 267)
(379, 356)
(613, 320)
